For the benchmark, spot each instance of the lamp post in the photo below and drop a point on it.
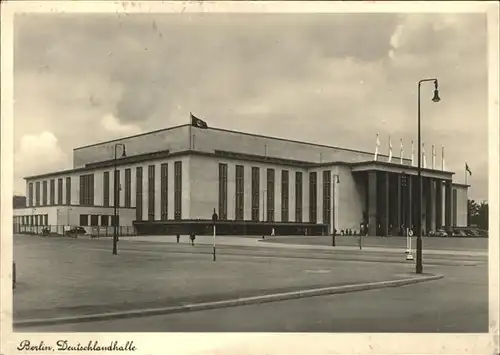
(334, 231)
(33, 219)
(419, 267)
(116, 191)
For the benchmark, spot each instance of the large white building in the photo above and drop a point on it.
(171, 180)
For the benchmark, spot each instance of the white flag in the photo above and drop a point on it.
(377, 144)
(424, 162)
(433, 158)
(442, 159)
(390, 149)
(412, 154)
(402, 152)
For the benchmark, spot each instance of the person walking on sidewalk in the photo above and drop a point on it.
(192, 236)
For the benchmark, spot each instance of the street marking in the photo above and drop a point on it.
(318, 271)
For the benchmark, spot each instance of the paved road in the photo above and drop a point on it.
(458, 303)
(433, 246)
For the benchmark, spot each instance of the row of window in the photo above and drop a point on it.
(268, 196)
(95, 220)
(34, 199)
(87, 191)
(32, 220)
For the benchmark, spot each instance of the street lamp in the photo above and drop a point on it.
(334, 232)
(33, 219)
(419, 267)
(115, 193)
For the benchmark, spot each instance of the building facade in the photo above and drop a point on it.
(172, 180)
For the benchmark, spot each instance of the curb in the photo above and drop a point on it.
(228, 303)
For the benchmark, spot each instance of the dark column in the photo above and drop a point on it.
(386, 204)
(372, 202)
(439, 204)
(448, 205)
(398, 204)
(428, 209)
(409, 203)
(432, 204)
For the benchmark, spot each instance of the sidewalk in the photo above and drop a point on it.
(268, 243)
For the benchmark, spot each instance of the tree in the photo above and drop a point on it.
(477, 214)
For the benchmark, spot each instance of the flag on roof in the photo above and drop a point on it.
(468, 169)
(197, 122)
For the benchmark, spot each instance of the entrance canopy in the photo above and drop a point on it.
(400, 169)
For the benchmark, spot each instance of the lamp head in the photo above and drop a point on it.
(124, 154)
(436, 97)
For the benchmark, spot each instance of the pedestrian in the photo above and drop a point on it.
(272, 232)
(178, 238)
(192, 237)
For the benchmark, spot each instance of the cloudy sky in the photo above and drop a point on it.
(328, 78)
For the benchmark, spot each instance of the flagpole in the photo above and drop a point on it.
(442, 157)
(190, 127)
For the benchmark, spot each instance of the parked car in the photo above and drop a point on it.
(438, 233)
(459, 233)
(75, 231)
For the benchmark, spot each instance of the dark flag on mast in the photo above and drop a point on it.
(196, 122)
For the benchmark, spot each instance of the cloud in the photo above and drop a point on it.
(37, 154)
(333, 78)
(116, 129)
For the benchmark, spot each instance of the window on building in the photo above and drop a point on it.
(84, 220)
(255, 193)
(117, 187)
(284, 195)
(222, 191)
(138, 193)
(298, 196)
(151, 192)
(30, 191)
(105, 188)
(37, 193)
(45, 219)
(115, 220)
(327, 196)
(313, 196)
(240, 193)
(94, 220)
(87, 190)
(128, 185)
(52, 192)
(59, 191)
(68, 190)
(178, 190)
(104, 221)
(270, 195)
(164, 191)
(44, 193)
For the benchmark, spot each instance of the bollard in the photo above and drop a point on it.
(13, 275)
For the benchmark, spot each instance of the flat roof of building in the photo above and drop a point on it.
(237, 132)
